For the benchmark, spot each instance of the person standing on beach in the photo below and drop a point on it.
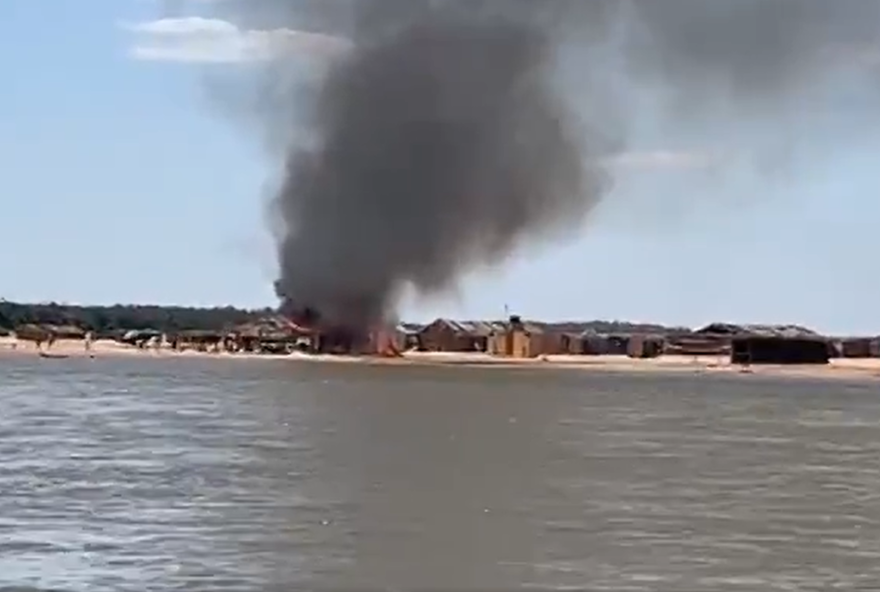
(87, 342)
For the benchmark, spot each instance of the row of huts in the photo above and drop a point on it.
(271, 335)
(519, 338)
(743, 344)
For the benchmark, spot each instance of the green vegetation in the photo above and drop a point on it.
(108, 320)
(113, 320)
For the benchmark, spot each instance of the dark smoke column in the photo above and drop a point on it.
(441, 145)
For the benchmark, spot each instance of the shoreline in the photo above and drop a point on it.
(841, 368)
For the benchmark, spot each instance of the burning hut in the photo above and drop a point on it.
(323, 337)
(331, 338)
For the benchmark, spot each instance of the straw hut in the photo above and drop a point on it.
(563, 338)
(698, 344)
(200, 340)
(645, 346)
(66, 331)
(772, 344)
(246, 337)
(480, 332)
(48, 334)
(447, 335)
(271, 334)
(139, 337)
(406, 336)
(38, 334)
(604, 344)
(733, 330)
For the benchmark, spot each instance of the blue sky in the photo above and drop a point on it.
(122, 182)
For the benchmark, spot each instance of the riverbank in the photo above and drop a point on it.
(848, 368)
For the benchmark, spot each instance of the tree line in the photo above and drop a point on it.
(106, 320)
(118, 318)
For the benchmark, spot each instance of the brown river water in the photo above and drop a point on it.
(131, 475)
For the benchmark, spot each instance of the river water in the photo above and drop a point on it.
(195, 475)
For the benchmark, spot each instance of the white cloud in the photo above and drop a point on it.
(189, 25)
(199, 39)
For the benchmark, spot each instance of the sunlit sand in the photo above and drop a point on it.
(839, 368)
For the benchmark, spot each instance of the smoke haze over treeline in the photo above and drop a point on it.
(447, 133)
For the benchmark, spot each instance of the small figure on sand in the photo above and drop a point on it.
(87, 343)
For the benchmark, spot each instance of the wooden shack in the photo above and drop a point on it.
(603, 344)
(854, 347)
(570, 344)
(555, 342)
(517, 339)
(447, 335)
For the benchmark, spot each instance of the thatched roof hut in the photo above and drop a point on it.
(457, 336)
(772, 344)
(779, 331)
(35, 332)
(604, 344)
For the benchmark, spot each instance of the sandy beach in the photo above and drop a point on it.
(868, 368)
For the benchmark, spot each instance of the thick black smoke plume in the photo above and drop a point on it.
(441, 146)
(442, 138)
